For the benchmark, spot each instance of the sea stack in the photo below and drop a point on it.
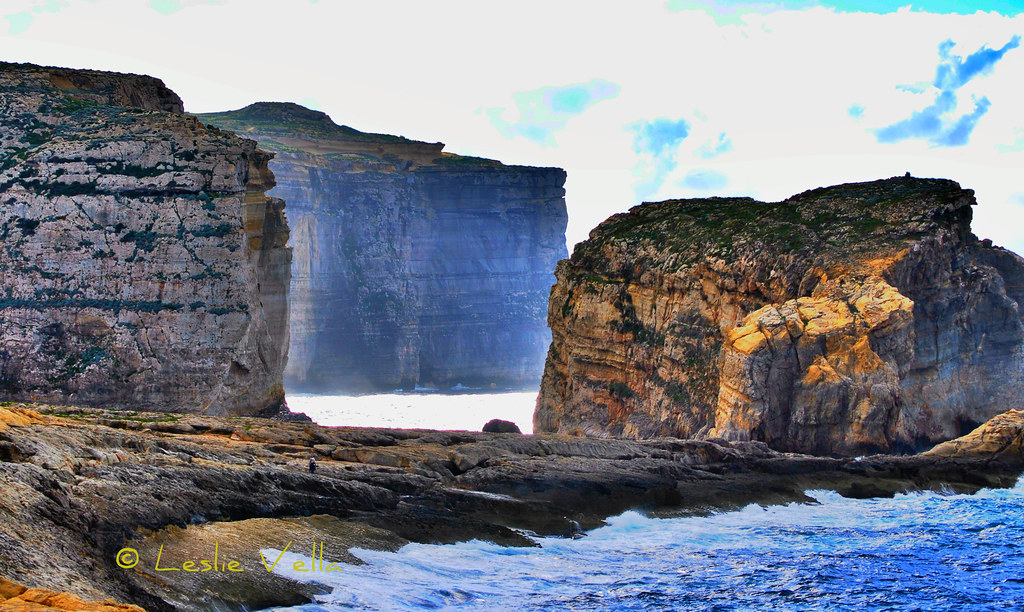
(412, 267)
(844, 320)
(144, 267)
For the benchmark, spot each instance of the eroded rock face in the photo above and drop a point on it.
(1000, 439)
(849, 319)
(143, 264)
(412, 266)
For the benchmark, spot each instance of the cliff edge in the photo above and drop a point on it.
(143, 265)
(413, 267)
(849, 319)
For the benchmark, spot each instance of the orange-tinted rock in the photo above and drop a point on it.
(9, 590)
(844, 320)
(1000, 439)
(17, 598)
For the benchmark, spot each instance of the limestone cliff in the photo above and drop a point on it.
(848, 319)
(143, 264)
(412, 266)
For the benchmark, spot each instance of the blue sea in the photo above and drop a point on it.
(918, 551)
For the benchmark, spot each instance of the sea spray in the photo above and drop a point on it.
(468, 411)
(916, 551)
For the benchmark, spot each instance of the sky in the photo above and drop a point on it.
(638, 101)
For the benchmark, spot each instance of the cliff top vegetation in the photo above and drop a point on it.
(288, 128)
(289, 119)
(839, 223)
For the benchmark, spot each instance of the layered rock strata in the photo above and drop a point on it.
(844, 320)
(80, 485)
(143, 265)
(411, 266)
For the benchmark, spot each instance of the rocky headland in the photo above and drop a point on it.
(412, 266)
(845, 320)
(79, 485)
(146, 276)
(143, 266)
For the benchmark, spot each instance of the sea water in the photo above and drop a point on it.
(420, 410)
(918, 551)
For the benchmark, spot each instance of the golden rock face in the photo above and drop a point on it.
(844, 320)
(824, 347)
(15, 598)
(1001, 438)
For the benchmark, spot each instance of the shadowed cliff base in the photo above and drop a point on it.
(845, 320)
(143, 264)
(412, 267)
(80, 485)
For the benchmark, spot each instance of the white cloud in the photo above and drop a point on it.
(780, 85)
(537, 115)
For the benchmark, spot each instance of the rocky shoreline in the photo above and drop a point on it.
(82, 484)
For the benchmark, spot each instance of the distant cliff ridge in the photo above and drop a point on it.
(849, 319)
(411, 266)
(143, 265)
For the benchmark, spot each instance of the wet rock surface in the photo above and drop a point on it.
(844, 320)
(80, 484)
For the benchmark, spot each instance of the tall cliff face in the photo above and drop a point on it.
(143, 265)
(412, 266)
(856, 318)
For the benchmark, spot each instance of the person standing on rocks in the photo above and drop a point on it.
(312, 465)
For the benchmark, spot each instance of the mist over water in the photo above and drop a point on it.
(919, 551)
(422, 410)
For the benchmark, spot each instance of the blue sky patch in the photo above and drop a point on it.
(954, 72)
(716, 147)
(704, 180)
(657, 143)
(168, 7)
(19, 22)
(725, 12)
(660, 136)
(935, 122)
(968, 7)
(165, 7)
(542, 112)
(1015, 146)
